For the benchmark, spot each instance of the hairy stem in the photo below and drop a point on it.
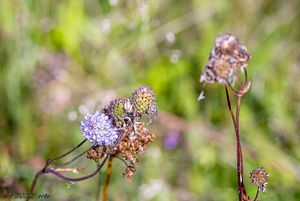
(107, 179)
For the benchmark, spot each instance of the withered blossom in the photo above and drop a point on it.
(227, 57)
(259, 177)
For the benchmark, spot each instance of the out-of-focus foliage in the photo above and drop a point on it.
(62, 59)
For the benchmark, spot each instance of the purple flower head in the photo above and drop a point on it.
(98, 127)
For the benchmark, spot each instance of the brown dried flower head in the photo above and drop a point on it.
(96, 153)
(259, 177)
(129, 172)
(227, 57)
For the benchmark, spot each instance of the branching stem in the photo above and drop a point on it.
(51, 170)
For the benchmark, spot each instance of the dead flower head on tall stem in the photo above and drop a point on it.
(227, 60)
(226, 64)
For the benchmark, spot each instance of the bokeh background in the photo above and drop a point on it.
(62, 59)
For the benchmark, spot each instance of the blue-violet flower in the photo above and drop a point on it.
(98, 127)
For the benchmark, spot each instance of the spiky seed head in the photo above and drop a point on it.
(119, 109)
(142, 99)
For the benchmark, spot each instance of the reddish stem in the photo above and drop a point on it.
(49, 161)
(235, 120)
(51, 170)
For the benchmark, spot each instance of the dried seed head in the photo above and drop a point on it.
(227, 57)
(226, 43)
(118, 109)
(259, 177)
(129, 172)
(218, 70)
(144, 101)
(96, 153)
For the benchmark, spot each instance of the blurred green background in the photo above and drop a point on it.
(62, 59)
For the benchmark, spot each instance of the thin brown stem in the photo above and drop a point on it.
(65, 154)
(241, 162)
(34, 182)
(51, 170)
(122, 160)
(235, 120)
(48, 162)
(75, 158)
(107, 179)
(237, 116)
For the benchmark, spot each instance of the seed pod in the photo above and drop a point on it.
(143, 100)
(118, 110)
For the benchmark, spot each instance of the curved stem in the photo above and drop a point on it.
(65, 154)
(107, 179)
(256, 196)
(76, 157)
(52, 171)
(34, 182)
(48, 162)
(46, 168)
(246, 76)
(122, 160)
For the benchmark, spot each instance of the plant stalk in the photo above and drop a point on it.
(107, 179)
(235, 120)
